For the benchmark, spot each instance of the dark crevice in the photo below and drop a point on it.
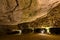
(11, 11)
(14, 9)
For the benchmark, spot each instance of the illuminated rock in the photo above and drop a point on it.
(13, 12)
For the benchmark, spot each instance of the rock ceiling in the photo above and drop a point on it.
(13, 12)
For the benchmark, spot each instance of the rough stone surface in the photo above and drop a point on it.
(13, 12)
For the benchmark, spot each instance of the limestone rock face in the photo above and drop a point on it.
(13, 12)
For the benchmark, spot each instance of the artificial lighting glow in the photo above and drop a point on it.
(47, 28)
(42, 31)
(20, 31)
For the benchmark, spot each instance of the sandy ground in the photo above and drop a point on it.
(30, 37)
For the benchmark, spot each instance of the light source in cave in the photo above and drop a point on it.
(42, 31)
(47, 28)
(20, 31)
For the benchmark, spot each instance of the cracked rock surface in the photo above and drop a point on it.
(13, 12)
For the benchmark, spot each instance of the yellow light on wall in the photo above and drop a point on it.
(42, 31)
(47, 28)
